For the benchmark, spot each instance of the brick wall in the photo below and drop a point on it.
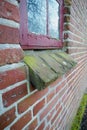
(23, 107)
(75, 40)
(13, 72)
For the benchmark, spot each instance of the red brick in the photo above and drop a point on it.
(72, 44)
(29, 101)
(59, 87)
(9, 34)
(58, 105)
(52, 128)
(58, 122)
(47, 128)
(74, 37)
(48, 108)
(56, 115)
(10, 77)
(65, 101)
(14, 95)
(49, 117)
(42, 125)
(33, 125)
(70, 76)
(11, 55)
(38, 106)
(62, 92)
(50, 95)
(22, 122)
(9, 11)
(7, 118)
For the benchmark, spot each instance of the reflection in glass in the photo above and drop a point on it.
(53, 18)
(37, 16)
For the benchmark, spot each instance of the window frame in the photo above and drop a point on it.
(30, 40)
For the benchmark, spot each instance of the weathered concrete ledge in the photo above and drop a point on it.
(46, 66)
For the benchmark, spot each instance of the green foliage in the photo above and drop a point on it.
(78, 118)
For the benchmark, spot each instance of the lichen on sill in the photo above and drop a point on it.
(46, 66)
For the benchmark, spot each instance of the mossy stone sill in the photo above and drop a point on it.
(47, 66)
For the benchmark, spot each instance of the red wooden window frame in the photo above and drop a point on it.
(29, 40)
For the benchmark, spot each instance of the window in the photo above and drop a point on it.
(41, 24)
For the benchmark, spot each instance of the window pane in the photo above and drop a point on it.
(53, 18)
(37, 16)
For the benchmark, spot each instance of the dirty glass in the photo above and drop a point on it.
(53, 7)
(37, 16)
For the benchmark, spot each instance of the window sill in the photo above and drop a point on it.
(46, 66)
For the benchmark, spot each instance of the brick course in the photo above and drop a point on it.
(29, 101)
(51, 108)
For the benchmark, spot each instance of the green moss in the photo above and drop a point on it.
(78, 118)
(30, 60)
(46, 67)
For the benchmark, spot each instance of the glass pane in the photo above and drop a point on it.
(53, 18)
(37, 16)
